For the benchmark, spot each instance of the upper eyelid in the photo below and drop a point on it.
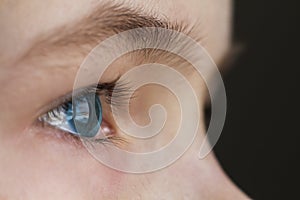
(80, 91)
(122, 88)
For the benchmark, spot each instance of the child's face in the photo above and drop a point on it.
(42, 44)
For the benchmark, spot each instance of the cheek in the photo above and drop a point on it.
(36, 168)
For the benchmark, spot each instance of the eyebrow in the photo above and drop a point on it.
(104, 21)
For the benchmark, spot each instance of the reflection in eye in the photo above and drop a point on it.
(82, 114)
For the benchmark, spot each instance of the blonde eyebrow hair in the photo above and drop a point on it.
(104, 21)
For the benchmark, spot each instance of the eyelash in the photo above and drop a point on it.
(121, 94)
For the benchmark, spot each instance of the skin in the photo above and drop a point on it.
(38, 163)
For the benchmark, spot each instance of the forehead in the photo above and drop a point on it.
(23, 21)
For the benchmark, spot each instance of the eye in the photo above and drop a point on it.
(81, 116)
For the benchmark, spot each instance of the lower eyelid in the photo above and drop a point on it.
(47, 132)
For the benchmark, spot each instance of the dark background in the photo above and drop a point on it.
(260, 144)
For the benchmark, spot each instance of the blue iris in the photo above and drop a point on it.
(81, 116)
(85, 115)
